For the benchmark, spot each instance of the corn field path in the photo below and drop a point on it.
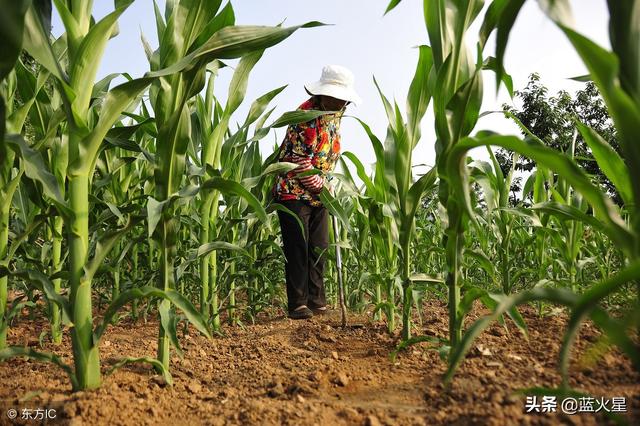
(311, 372)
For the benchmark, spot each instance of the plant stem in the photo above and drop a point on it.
(4, 239)
(56, 332)
(115, 291)
(85, 353)
(134, 279)
(407, 290)
(205, 262)
(454, 248)
(167, 282)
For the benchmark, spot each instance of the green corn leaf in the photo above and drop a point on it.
(492, 64)
(612, 222)
(624, 32)
(485, 263)
(192, 16)
(611, 164)
(471, 294)
(512, 313)
(36, 42)
(225, 18)
(586, 305)
(425, 279)
(419, 94)
(392, 5)
(464, 106)
(116, 100)
(260, 105)
(73, 32)
(334, 208)
(232, 42)
(34, 168)
(560, 296)
(230, 187)
(10, 188)
(103, 247)
(507, 12)
(240, 79)
(604, 68)
(274, 168)
(296, 117)
(145, 292)
(167, 319)
(426, 182)
(102, 86)
(154, 214)
(380, 182)
(616, 332)
(236, 41)
(391, 116)
(15, 122)
(207, 248)
(491, 19)
(11, 30)
(582, 78)
(567, 212)
(34, 225)
(362, 174)
(437, 20)
(44, 284)
(412, 202)
(558, 11)
(160, 23)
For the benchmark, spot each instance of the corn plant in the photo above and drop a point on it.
(85, 129)
(12, 23)
(213, 122)
(87, 123)
(403, 196)
(192, 34)
(455, 82)
(617, 76)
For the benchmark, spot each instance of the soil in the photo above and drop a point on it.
(281, 371)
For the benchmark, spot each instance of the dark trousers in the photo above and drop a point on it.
(304, 253)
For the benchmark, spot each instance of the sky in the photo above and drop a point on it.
(369, 44)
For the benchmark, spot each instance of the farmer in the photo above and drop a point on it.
(313, 145)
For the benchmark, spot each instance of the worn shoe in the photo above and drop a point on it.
(301, 312)
(320, 310)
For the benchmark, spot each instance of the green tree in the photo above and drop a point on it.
(553, 118)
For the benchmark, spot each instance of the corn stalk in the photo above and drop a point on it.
(617, 76)
(11, 27)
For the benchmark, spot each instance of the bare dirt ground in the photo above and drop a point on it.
(311, 372)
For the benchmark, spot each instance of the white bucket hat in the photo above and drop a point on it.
(336, 81)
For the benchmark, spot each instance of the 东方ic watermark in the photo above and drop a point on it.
(31, 414)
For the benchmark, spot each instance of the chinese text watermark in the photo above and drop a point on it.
(571, 405)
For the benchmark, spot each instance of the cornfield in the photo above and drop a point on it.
(149, 200)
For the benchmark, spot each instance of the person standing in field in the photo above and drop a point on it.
(312, 145)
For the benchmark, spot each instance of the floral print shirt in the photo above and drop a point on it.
(314, 144)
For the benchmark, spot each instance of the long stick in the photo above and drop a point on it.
(343, 307)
